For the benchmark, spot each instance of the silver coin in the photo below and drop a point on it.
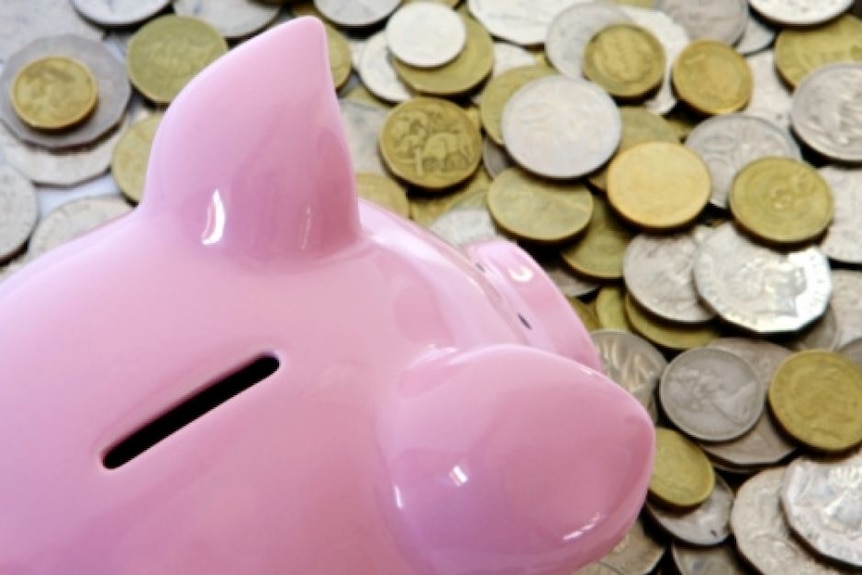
(758, 36)
(822, 501)
(425, 35)
(110, 74)
(508, 56)
(62, 167)
(847, 303)
(637, 553)
(462, 226)
(119, 12)
(232, 18)
(519, 21)
(362, 124)
(707, 524)
(569, 284)
(827, 114)
(571, 30)
(762, 534)
(495, 158)
(19, 211)
(759, 289)
(377, 73)
(73, 219)
(356, 13)
(658, 273)
(852, 350)
(673, 38)
(724, 21)
(711, 394)
(770, 98)
(631, 361)
(821, 334)
(22, 21)
(843, 239)
(729, 143)
(560, 127)
(800, 12)
(720, 560)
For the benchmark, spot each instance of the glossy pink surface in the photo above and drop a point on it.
(415, 425)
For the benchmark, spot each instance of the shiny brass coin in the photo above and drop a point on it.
(658, 185)
(639, 125)
(539, 210)
(499, 90)
(610, 308)
(682, 476)
(131, 156)
(816, 397)
(585, 312)
(598, 254)
(459, 76)
(54, 93)
(340, 62)
(781, 200)
(668, 334)
(626, 60)
(799, 51)
(382, 191)
(430, 143)
(167, 52)
(712, 78)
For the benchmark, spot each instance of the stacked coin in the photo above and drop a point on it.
(693, 193)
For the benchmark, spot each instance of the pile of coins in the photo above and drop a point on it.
(688, 173)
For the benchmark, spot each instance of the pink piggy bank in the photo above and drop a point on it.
(256, 374)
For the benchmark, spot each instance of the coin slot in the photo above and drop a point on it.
(201, 403)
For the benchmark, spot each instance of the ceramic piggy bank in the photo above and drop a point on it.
(256, 374)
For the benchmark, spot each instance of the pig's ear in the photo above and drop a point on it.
(512, 460)
(251, 156)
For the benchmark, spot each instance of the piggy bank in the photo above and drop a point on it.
(256, 373)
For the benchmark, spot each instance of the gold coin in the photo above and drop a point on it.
(54, 93)
(360, 93)
(682, 476)
(459, 76)
(430, 143)
(658, 185)
(500, 90)
(599, 253)
(539, 210)
(585, 313)
(668, 334)
(626, 60)
(383, 191)
(426, 208)
(781, 200)
(610, 308)
(799, 51)
(167, 52)
(132, 155)
(340, 62)
(639, 125)
(712, 78)
(816, 396)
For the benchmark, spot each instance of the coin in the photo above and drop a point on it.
(113, 90)
(799, 51)
(847, 303)
(669, 335)
(637, 553)
(706, 524)
(73, 219)
(22, 21)
(466, 220)
(843, 240)
(658, 274)
(658, 185)
(770, 98)
(538, 210)
(377, 73)
(722, 21)
(353, 14)
(568, 283)
(131, 156)
(720, 560)
(822, 334)
(340, 59)
(430, 143)
(524, 23)
(54, 93)
(232, 18)
(800, 12)
(362, 124)
(499, 91)
(382, 191)
(598, 569)
(822, 501)
(19, 211)
(825, 112)
(626, 60)
(730, 142)
(758, 36)
(610, 308)
(495, 159)
(853, 351)
(585, 313)
(119, 12)
(425, 34)
(598, 254)
(571, 30)
(682, 477)
(166, 53)
(816, 396)
(631, 361)
(760, 289)
(712, 78)
(560, 127)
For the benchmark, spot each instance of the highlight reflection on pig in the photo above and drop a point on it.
(414, 411)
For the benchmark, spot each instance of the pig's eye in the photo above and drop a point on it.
(524, 321)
